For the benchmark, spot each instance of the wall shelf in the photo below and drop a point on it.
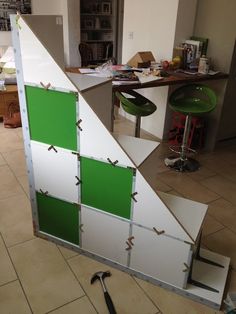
(98, 27)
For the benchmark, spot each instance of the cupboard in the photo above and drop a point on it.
(98, 27)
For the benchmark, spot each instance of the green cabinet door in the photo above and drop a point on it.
(52, 117)
(106, 187)
(58, 218)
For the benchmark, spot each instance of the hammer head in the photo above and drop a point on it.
(100, 275)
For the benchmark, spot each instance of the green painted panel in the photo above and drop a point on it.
(52, 117)
(106, 187)
(58, 218)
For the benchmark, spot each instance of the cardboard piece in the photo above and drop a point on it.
(141, 59)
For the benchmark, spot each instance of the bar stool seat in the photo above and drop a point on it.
(136, 105)
(190, 100)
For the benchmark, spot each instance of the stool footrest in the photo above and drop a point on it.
(178, 164)
(178, 149)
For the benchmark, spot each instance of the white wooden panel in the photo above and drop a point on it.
(55, 172)
(104, 235)
(38, 65)
(49, 30)
(138, 149)
(103, 104)
(189, 213)
(210, 275)
(150, 211)
(95, 140)
(84, 82)
(160, 257)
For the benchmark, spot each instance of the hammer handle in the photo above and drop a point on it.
(109, 303)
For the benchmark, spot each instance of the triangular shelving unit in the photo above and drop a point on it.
(90, 189)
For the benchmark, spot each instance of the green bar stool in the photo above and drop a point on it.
(190, 100)
(136, 105)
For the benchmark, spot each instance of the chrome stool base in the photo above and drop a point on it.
(182, 165)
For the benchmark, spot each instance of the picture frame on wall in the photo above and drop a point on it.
(106, 8)
(89, 24)
(11, 7)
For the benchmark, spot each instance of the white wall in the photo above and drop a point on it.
(154, 24)
(73, 31)
(216, 20)
(47, 6)
(5, 38)
(185, 20)
(38, 7)
(70, 11)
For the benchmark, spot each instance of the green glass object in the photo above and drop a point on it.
(106, 187)
(52, 117)
(58, 218)
(195, 99)
(136, 104)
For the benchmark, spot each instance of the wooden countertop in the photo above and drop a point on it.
(173, 78)
(9, 89)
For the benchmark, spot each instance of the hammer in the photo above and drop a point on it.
(101, 275)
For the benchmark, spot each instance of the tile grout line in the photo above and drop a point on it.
(214, 232)
(56, 308)
(145, 293)
(24, 192)
(77, 278)
(5, 284)
(19, 243)
(222, 223)
(17, 274)
(219, 175)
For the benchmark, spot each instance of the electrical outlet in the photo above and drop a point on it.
(131, 35)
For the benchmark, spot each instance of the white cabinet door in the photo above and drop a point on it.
(38, 65)
(151, 211)
(160, 257)
(104, 235)
(96, 141)
(55, 172)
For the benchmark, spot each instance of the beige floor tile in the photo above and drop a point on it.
(186, 186)
(10, 141)
(16, 220)
(211, 225)
(171, 303)
(2, 160)
(23, 180)
(19, 133)
(154, 165)
(3, 129)
(16, 161)
(46, 278)
(127, 127)
(161, 186)
(125, 293)
(228, 154)
(9, 186)
(232, 281)
(222, 186)
(202, 173)
(12, 299)
(223, 242)
(67, 253)
(82, 306)
(7, 272)
(224, 212)
(221, 166)
(173, 192)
